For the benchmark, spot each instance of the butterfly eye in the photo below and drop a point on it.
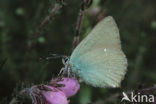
(65, 60)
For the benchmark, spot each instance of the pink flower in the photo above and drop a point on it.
(55, 96)
(56, 92)
(71, 86)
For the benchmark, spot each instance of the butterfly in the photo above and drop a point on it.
(99, 60)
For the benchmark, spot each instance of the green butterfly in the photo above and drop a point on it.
(98, 60)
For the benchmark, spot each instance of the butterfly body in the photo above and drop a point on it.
(98, 60)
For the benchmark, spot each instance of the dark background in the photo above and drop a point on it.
(136, 20)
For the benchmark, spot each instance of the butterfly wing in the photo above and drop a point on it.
(105, 34)
(98, 59)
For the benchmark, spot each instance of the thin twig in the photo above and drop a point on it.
(85, 4)
(56, 8)
(151, 90)
(44, 23)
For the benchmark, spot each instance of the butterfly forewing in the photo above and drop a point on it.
(104, 34)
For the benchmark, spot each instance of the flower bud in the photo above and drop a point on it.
(55, 96)
(71, 86)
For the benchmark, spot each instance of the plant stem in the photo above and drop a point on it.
(85, 4)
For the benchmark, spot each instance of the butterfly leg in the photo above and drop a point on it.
(68, 72)
(62, 71)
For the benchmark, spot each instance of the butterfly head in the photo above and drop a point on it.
(65, 60)
(67, 68)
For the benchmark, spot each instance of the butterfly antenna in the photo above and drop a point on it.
(54, 56)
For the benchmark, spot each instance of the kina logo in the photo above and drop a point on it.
(137, 98)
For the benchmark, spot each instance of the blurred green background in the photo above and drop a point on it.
(136, 20)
